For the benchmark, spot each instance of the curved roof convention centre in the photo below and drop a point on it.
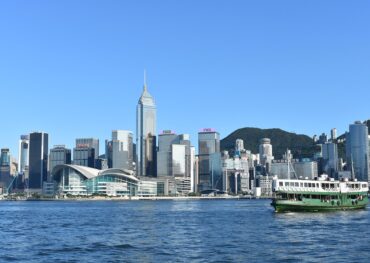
(89, 173)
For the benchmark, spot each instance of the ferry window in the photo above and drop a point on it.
(305, 184)
(331, 185)
(301, 184)
(296, 184)
(281, 184)
(318, 185)
(286, 183)
(356, 185)
(364, 186)
(291, 184)
(309, 184)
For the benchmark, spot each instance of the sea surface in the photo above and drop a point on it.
(178, 231)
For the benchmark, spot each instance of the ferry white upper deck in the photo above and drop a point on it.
(320, 185)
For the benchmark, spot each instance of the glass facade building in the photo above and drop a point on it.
(23, 153)
(59, 155)
(209, 160)
(357, 150)
(84, 156)
(79, 180)
(122, 149)
(38, 159)
(175, 158)
(89, 143)
(146, 120)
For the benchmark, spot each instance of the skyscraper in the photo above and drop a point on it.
(265, 151)
(84, 156)
(90, 143)
(329, 152)
(146, 119)
(59, 155)
(176, 158)
(122, 149)
(38, 159)
(23, 153)
(5, 169)
(210, 172)
(357, 150)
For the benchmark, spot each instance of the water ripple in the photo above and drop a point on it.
(178, 231)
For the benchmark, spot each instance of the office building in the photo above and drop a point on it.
(357, 150)
(59, 154)
(175, 158)
(89, 143)
(235, 174)
(38, 160)
(329, 153)
(6, 174)
(146, 119)
(122, 149)
(209, 158)
(265, 152)
(333, 133)
(109, 153)
(84, 155)
(23, 153)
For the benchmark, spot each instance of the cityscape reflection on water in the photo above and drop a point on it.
(178, 231)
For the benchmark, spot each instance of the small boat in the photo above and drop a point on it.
(321, 194)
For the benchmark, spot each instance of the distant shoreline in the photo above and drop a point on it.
(154, 198)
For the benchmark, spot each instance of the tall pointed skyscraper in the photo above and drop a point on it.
(146, 120)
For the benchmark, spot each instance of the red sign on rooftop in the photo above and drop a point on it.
(208, 130)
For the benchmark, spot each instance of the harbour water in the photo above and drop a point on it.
(178, 231)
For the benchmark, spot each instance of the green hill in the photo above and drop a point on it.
(300, 145)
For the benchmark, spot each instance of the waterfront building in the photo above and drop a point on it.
(306, 169)
(146, 119)
(289, 168)
(264, 185)
(210, 171)
(85, 181)
(176, 157)
(235, 174)
(84, 155)
(160, 186)
(38, 160)
(293, 169)
(357, 150)
(5, 157)
(59, 154)
(109, 153)
(6, 174)
(122, 149)
(265, 152)
(89, 143)
(23, 153)
(78, 180)
(329, 153)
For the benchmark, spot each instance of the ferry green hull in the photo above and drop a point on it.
(309, 205)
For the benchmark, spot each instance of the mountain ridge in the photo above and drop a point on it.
(301, 146)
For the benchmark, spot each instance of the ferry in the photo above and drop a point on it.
(321, 194)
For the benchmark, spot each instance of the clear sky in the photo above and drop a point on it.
(75, 68)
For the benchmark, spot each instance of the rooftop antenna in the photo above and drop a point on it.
(145, 80)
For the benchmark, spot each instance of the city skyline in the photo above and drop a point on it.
(226, 68)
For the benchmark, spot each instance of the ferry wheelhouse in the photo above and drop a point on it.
(321, 194)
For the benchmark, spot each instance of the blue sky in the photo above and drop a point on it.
(75, 68)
